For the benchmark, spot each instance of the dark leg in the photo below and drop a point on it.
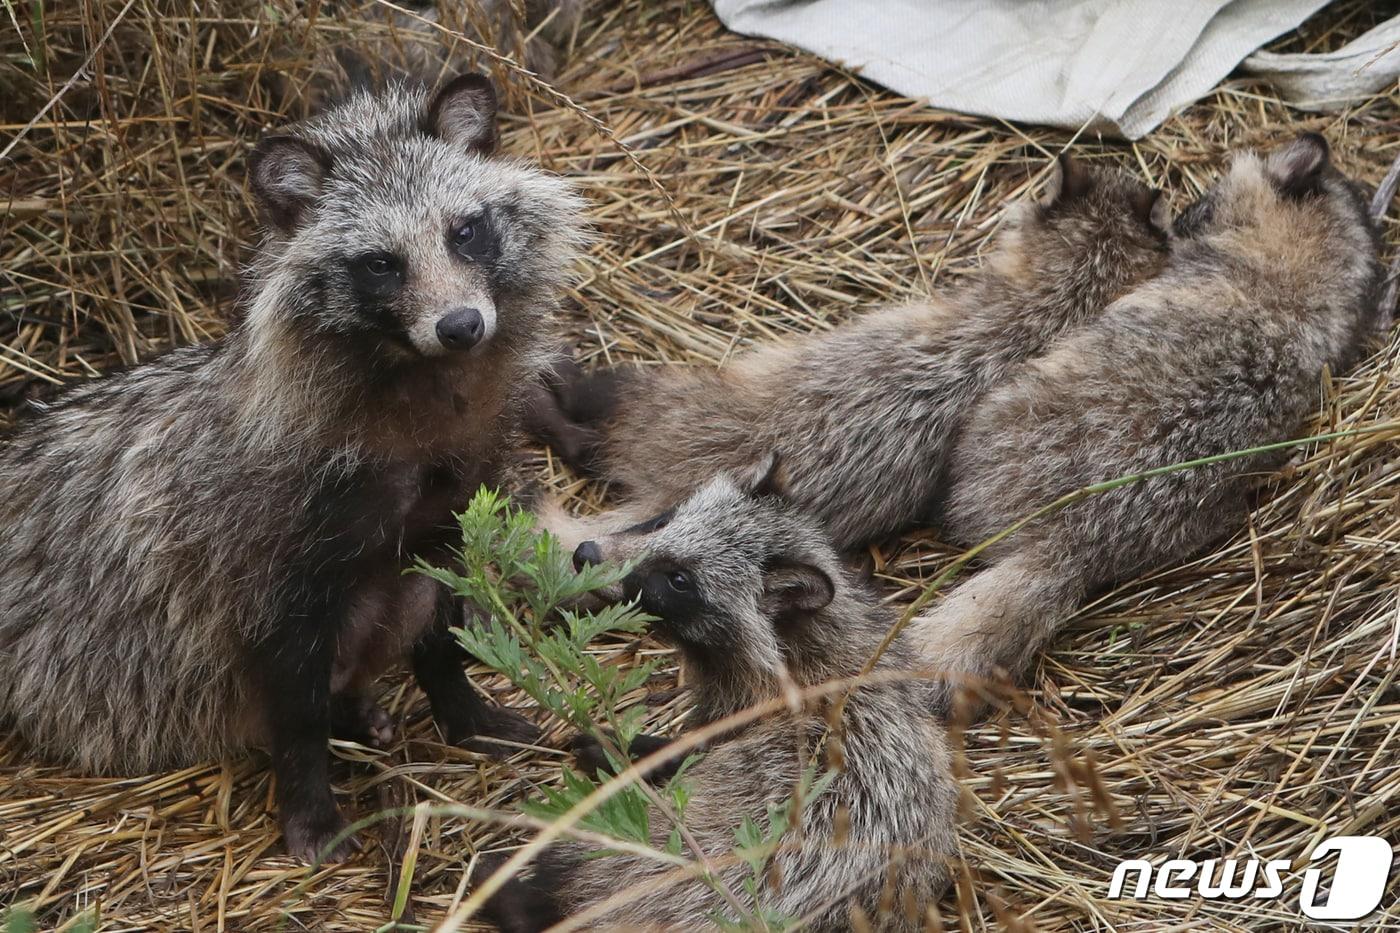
(588, 752)
(590, 399)
(576, 445)
(357, 718)
(460, 713)
(522, 905)
(294, 664)
(568, 410)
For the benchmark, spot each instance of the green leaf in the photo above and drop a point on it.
(20, 921)
(523, 588)
(625, 816)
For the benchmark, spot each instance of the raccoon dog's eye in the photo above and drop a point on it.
(679, 581)
(473, 238)
(376, 273)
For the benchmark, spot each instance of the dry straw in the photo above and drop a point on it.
(1241, 704)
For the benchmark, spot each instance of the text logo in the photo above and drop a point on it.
(1357, 866)
(1361, 868)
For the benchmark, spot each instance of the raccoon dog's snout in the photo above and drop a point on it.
(586, 554)
(461, 329)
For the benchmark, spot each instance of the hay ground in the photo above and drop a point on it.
(1241, 704)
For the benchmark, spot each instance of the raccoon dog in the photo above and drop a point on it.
(749, 589)
(865, 413)
(1274, 277)
(205, 552)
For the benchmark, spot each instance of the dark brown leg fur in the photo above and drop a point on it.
(357, 718)
(589, 398)
(568, 410)
(546, 421)
(295, 666)
(522, 905)
(460, 712)
(588, 752)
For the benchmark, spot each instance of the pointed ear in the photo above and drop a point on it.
(1150, 206)
(1068, 180)
(764, 478)
(464, 114)
(1296, 168)
(286, 175)
(790, 586)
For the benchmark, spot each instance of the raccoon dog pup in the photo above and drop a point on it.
(749, 589)
(865, 413)
(1274, 276)
(204, 553)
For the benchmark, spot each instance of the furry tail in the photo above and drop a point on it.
(996, 623)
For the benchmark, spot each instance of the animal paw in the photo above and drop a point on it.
(520, 905)
(319, 839)
(360, 719)
(589, 755)
(548, 423)
(501, 724)
(592, 759)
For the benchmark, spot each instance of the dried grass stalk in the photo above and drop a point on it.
(1242, 703)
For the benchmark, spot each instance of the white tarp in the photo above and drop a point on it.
(1331, 80)
(1114, 66)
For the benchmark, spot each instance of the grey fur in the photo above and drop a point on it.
(780, 612)
(151, 517)
(866, 413)
(1274, 277)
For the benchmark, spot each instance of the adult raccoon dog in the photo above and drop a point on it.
(749, 589)
(204, 553)
(1274, 276)
(865, 413)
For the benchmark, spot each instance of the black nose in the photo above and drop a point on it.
(461, 329)
(587, 553)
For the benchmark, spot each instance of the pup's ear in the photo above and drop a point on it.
(1068, 180)
(464, 114)
(1151, 208)
(1296, 169)
(791, 586)
(764, 478)
(286, 175)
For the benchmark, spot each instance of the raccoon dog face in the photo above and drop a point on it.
(1088, 217)
(729, 572)
(396, 226)
(1258, 191)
